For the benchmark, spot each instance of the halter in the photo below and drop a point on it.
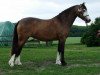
(86, 15)
(86, 24)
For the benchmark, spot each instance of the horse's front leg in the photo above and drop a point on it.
(60, 54)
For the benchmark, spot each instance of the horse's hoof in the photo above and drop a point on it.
(58, 62)
(18, 63)
(11, 61)
(11, 64)
(63, 63)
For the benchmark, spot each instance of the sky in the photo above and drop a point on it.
(14, 10)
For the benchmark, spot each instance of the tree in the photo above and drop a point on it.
(77, 31)
(90, 37)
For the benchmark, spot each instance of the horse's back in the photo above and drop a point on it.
(37, 28)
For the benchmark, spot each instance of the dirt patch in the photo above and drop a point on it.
(1, 73)
(45, 63)
(38, 64)
(85, 65)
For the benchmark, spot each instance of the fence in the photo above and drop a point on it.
(7, 41)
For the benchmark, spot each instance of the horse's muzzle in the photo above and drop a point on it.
(88, 20)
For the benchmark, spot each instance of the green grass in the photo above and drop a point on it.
(81, 60)
(73, 40)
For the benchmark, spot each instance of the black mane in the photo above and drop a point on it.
(64, 14)
(66, 11)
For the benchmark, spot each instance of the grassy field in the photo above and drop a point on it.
(81, 60)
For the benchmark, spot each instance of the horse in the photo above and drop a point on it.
(56, 28)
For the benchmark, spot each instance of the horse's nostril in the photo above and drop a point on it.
(88, 20)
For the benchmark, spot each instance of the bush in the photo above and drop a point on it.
(90, 37)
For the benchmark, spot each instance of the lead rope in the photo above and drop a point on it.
(86, 24)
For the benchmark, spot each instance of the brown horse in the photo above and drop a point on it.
(56, 28)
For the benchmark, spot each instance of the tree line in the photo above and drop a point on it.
(77, 31)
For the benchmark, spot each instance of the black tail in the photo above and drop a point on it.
(15, 41)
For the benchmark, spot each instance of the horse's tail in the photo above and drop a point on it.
(15, 41)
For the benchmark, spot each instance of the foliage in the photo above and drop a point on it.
(73, 40)
(77, 31)
(90, 37)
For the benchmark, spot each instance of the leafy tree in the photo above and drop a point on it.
(77, 31)
(90, 37)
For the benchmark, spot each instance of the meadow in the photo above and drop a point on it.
(81, 60)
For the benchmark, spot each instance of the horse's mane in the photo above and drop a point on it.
(66, 11)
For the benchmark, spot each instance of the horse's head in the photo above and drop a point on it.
(82, 13)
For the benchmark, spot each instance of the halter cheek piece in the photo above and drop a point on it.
(86, 15)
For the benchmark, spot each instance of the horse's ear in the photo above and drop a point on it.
(83, 4)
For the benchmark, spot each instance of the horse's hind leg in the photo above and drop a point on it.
(21, 42)
(16, 50)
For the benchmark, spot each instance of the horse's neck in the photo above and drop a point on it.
(67, 18)
(71, 20)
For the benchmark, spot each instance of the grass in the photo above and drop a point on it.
(81, 60)
(73, 40)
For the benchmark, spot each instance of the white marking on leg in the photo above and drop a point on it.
(58, 59)
(17, 61)
(11, 61)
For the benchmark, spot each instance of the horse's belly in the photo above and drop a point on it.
(46, 36)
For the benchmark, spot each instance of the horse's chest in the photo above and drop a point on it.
(63, 33)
